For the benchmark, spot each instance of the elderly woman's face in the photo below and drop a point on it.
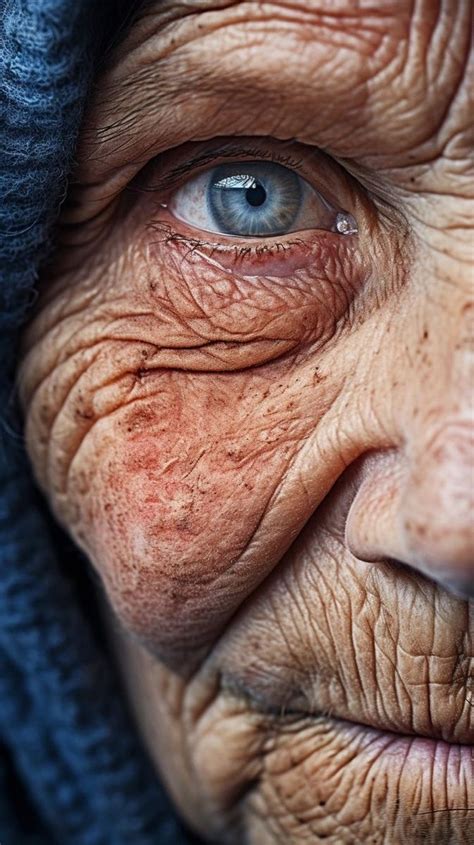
(248, 398)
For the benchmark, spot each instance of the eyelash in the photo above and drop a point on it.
(171, 236)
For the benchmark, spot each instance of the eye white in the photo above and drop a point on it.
(191, 202)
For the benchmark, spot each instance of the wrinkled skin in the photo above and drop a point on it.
(268, 456)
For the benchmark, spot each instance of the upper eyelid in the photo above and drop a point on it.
(209, 157)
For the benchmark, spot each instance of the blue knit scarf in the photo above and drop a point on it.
(71, 767)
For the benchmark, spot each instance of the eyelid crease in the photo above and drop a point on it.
(223, 151)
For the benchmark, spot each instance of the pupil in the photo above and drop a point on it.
(256, 195)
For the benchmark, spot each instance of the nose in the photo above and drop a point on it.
(415, 503)
(419, 512)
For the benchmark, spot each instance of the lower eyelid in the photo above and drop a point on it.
(277, 256)
(260, 257)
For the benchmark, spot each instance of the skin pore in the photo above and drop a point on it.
(264, 445)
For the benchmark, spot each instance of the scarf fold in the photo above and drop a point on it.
(72, 770)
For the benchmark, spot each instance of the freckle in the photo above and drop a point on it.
(84, 415)
(418, 528)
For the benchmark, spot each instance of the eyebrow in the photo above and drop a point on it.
(139, 107)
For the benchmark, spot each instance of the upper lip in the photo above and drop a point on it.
(406, 736)
(463, 736)
(460, 733)
(455, 701)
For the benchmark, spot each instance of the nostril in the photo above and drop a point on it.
(441, 547)
(462, 588)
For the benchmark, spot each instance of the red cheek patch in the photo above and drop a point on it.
(176, 502)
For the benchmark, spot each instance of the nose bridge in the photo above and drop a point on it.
(442, 355)
(438, 500)
(441, 440)
(441, 477)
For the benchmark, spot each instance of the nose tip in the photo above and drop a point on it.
(437, 510)
(420, 515)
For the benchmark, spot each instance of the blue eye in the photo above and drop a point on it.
(262, 200)
(255, 199)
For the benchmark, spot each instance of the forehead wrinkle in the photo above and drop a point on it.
(186, 60)
(133, 84)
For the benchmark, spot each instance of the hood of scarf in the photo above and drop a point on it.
(72, 769)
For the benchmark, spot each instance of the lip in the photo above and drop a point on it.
(413, 748)
(450, 766)
(416, 755)
(415, 777)
(279, 694)
(400, 738)
(272, 696)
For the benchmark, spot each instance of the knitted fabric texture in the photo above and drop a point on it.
(71, 767)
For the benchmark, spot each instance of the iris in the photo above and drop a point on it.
(254, 199)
